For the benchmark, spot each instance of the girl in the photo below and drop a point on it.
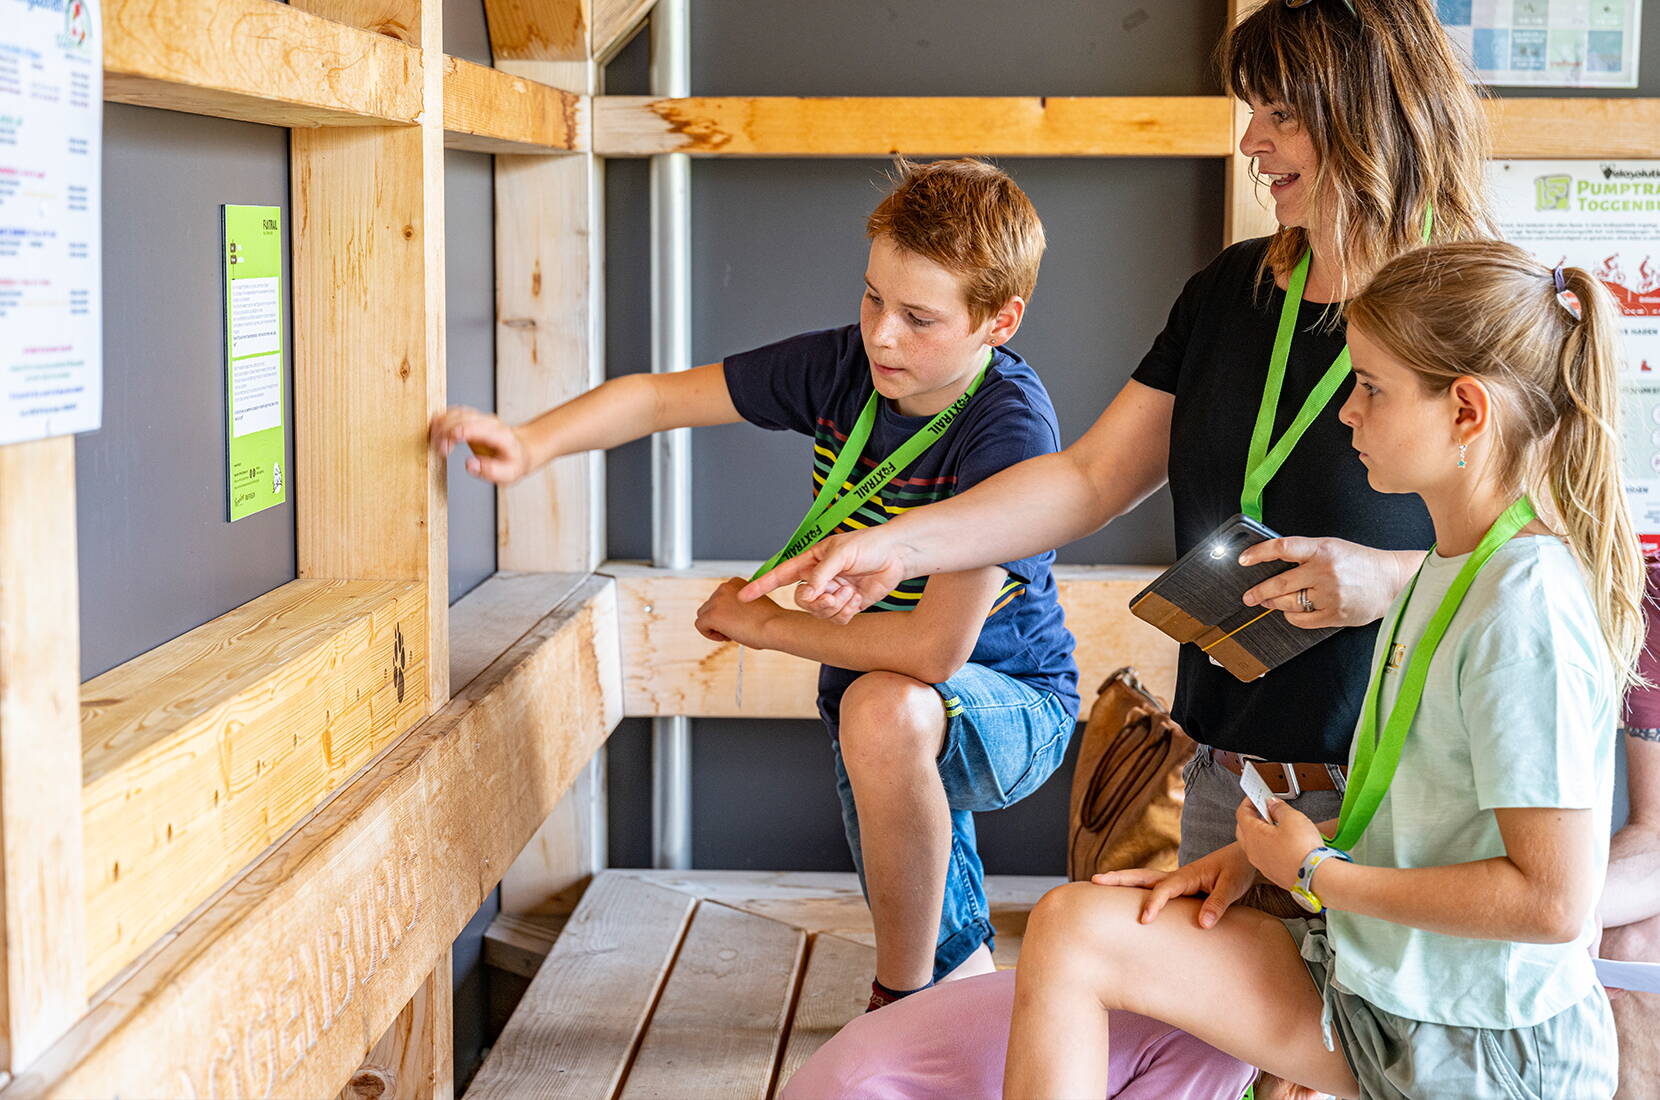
(1452, 960)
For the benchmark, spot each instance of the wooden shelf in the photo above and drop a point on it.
(489, 111)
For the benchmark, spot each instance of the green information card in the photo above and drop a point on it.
(253, 358)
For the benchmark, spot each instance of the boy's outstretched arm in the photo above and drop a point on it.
(929, 644)
(611, 414)
(1033, 506)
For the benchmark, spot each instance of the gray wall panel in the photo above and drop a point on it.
(466, 34)
(470, 353)
(157, 555)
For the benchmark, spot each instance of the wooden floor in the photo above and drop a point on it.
(687, 984)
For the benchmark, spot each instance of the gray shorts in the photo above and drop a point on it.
(1212, 798)
(1571, 1056)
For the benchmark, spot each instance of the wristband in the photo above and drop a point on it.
(1303, 891)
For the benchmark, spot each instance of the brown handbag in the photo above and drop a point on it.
(1127, 789)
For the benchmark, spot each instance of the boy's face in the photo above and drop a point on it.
(924, 347)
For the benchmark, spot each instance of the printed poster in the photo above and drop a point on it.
(1557, 43)
(253, 358)
(1603, 216)
(51, 290)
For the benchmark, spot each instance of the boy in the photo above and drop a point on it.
(965, 701)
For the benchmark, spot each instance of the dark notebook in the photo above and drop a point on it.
(1199, 600)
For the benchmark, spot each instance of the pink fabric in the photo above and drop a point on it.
(948, 1043)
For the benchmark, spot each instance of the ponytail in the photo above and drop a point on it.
(1584, 467)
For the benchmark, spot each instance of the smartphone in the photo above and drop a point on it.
(1256, 789)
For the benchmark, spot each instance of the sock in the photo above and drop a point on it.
(881, 995)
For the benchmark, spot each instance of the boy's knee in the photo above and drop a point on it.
(885, 714)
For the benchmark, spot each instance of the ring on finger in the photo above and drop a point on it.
(1304, 603)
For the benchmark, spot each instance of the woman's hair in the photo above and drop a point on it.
(1398, 127)
(1488, 310)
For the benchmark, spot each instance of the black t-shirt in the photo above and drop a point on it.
(1213, 356)
(817, 384)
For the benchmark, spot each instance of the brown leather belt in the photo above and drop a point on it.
(1285, 780)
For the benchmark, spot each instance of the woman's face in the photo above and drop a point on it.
(1285, 156)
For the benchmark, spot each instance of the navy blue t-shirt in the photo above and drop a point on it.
(817, 384)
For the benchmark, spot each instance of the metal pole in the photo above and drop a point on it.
(671, 482)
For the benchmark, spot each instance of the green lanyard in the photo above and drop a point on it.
(1377, 754)
(1263, 461)
(828, 511)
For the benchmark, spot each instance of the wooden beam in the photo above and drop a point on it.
(668, 668)
(369, 339)
(486, 622)
(539, 30)
(201, 753)
(490, 111)
(615, 23)
(256, 61)
(548, 878)
(42, 893)
(519, 944)
(1052, 126)
(277, 986)
(1588, 129)
(1250, 212)
(415, 1059)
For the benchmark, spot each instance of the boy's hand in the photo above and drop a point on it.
(1225, 875)
(725, 618)
(840, 575)
(1276, 848)
(499, 454)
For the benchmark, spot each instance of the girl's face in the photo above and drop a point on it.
(1285, 156)
(1405, 435)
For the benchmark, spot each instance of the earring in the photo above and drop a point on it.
(1462, 448)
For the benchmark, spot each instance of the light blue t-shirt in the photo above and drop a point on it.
(1519, 710)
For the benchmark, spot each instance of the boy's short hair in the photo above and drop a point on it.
(969, 217)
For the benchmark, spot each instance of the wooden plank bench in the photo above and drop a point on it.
(683, 984)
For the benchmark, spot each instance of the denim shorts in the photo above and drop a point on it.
(1212, 798)
(1003, 738)
(1570, 1056)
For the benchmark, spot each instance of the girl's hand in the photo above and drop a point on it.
(1348, 584)
(1276, 848)
(1225, 875)
(499, 454)
(840, 575)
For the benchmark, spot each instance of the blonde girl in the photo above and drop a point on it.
(1451, 959)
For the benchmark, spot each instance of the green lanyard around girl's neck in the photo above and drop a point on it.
(827, 511)
(1378, 753)
(1263, 461)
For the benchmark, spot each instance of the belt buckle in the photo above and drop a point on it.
(1293, 789)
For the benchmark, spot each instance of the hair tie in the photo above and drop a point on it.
(1563, 298)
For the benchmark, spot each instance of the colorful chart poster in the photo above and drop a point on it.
(253, 358)
(51, 289)
(1561, 43)
(1603, 216)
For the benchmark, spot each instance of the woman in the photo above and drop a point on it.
(1368, 131)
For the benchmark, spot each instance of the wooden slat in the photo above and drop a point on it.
(279, 985)
(834, 990)
(490, 111)
(486, 622)
(255, 61)
(202, 752)
(1053, 126)
(415, 1059)
(717, 1031)
(1591, 129)
(519, 944)
(538, 30)
(671, 669)
(42, 890)
(615, 22)
(582, 1017)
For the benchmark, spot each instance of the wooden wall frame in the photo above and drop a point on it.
(298, 768)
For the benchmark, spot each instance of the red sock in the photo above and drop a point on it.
(881, 996)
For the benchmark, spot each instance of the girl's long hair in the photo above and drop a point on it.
(1488, 310)
(1397, 125)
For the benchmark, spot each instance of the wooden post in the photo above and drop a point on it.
(415, 1059)
(369, 336)
(42, 890)
(1249, 213)
(550, 339)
